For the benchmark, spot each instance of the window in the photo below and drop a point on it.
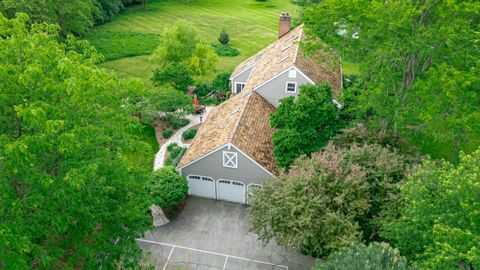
(292, 73)
(239, 87)
(230, 159)
(291, 87)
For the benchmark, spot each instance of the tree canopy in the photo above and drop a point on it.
(439, 225)
(303, 125)
(69, 197)
(419, 65)
(360, 257)
(339, 196)
(180, 45)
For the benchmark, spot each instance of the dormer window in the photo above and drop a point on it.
(291, 87)
(230, 159)
(239, 87)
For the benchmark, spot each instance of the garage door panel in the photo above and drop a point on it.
(231, 190)
(201, 186)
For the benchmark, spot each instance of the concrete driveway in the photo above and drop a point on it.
(212, 235)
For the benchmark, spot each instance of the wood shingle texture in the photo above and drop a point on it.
(285, 53)
(244, 121)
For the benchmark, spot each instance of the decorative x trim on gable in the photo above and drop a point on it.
(230, 159)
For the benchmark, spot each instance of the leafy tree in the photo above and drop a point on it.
(335, 198)
(69, 197)
(164, 104)
(439, 226)
(223, 38)
(303, 125)
(203, 60)
(419, 65)
(360, 257)
(180, 45)
(73, 16)
(178, 76)
(168, 189)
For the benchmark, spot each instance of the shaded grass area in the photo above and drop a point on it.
(121, 44)
(145, 160)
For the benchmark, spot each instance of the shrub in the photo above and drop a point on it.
(221, 82)
(176, 152)
(121, 44)
(225, 50)
(168, 189)
(223, 38)
(178, 76)
(176, 123)
(167, 133)
(361, 257)
(189, 134)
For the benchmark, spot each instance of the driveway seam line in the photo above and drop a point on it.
(208, 252)
(225, 264)
(168, 259)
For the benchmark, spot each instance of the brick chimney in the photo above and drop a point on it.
(284, 24)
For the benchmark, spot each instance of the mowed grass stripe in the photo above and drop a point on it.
(251, 25)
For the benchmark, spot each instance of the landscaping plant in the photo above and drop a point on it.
(375, 256)
(223, 38)
(167, 133)
(189, 134)
(168, 190)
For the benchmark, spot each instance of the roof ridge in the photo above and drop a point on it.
(235, 133)
(298, 45)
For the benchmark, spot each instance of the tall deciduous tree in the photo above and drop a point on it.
(180, 46)
(303, 125)
(419, 65)
(69, 199)
(439, 227)
(337, 197)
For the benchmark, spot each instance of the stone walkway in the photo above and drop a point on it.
(177, 137)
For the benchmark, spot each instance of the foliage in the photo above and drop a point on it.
(180, 45)
(189, 134)
(259, 31)
(66, 188)
(120, 44)
(75, 16)
(168, 188)
(360, 257)
(178, 76)
(223, 38)
(203, 60)
(175, 153)
(165, 104)
(330, 200)
(176, 122)
(439, 226)
(167, 133)
(303, 125)
(221, 82)
(225, 50)
(419, 66)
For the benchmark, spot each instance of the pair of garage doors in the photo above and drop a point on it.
(222, 189)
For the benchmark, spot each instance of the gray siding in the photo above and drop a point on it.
(275, 90)
(212, 166)
(242, 77)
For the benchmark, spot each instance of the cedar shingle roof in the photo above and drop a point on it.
(244, 121)
(285, 53)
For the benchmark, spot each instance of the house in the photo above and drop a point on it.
(232, 153)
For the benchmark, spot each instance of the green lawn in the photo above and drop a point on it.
(145, 161)
(251, 25)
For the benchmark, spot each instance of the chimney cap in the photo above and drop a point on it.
(285, 14)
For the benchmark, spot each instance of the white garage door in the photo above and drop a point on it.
(232, 191)
(201, 186)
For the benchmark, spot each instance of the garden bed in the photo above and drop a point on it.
(189, 141)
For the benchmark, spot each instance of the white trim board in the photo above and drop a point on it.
(241, 72)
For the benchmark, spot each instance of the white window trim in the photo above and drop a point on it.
(286, 87)
(239, 83)
(227, 160)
